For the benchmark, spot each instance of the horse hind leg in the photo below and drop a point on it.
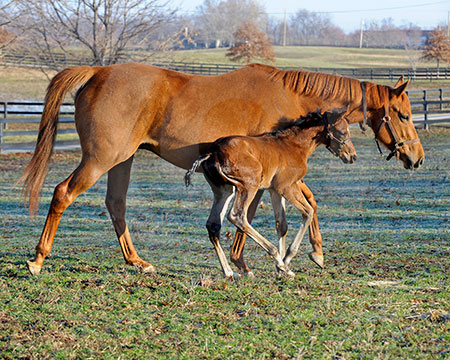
(222, 197)
(118, 182)
(84, 176)
(315, 237)
(237, 248)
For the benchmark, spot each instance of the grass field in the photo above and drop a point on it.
(385, 292)
(314, 56)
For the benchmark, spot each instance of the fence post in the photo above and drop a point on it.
(1, 126)
(425, 110)
(440, 99)
(5, 114)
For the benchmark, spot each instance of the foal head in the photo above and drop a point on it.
(338, 140)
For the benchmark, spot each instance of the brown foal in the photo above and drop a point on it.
(277, 161)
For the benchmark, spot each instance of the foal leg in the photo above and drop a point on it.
(237, 249)
(85, 175)
(295, 196)
(315, 238)
(279, 210)
(222, 197)
(118, 181)
(238, 216)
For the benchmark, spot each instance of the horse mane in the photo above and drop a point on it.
(303, 122)
(326, 86)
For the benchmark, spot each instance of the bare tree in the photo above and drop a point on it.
(98, 32)
(312, 28)
(218, 20)
(412, 45)
(8, 15)
(250, 43)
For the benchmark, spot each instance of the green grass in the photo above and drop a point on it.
(380, 223)
(313, 56)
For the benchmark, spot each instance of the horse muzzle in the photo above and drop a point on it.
(412, 164)
(348, 158)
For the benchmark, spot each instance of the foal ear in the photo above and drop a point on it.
(398, 90)
(399, 81)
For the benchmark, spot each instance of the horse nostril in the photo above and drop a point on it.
(409, 163)
(418, 163)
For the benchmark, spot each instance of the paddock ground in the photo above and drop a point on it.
(384, 293)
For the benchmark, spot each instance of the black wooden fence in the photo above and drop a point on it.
(27, 113)
(431, 74)
(428, 106)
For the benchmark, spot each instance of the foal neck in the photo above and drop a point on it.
(309, 136)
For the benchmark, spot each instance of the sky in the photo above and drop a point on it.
(347, 14)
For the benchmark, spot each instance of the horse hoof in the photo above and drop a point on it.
(317, 259)
(33, 268)
(249, 274)
(290, 273)
(149, 269)
(236, 276)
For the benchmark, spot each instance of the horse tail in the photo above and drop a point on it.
(193, 169)
(35, 172)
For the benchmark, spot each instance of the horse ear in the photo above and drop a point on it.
(398, 90)
(399, 81)
(334, 114)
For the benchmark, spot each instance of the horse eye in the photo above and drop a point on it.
(403, 117)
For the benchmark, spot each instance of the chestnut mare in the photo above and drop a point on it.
(276, 161)
(121, 108)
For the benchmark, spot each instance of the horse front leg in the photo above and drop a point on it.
(237, 248)
(295, 196)
(238, 217)
(118, 182)
(315, 237)
(279, 211)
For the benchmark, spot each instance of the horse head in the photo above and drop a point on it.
(338, 135)
(391, 121)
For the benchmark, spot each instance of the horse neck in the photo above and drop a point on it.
(376, 96)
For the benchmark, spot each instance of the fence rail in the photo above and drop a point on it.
(431, 74)
(428, 107)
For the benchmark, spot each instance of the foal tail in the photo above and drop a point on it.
(34, 174)
(193, 169)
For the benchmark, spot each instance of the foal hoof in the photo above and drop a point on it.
(235, 276)
(283, 270)
(317, 259)
(249, 274)
(33, 268)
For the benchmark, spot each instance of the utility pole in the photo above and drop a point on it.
(361, 33)
(448, 25)
(284, 29)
